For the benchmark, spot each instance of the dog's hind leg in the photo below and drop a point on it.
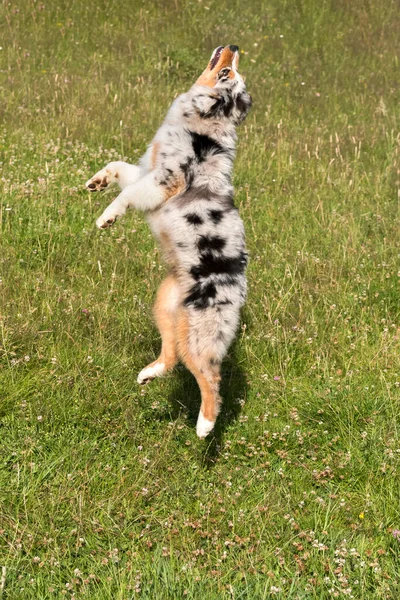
(208, 378)
(165, 307)
(202, 354)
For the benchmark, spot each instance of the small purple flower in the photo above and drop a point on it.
(396, 534)
(277, 378)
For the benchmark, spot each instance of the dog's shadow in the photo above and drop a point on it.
(186, 398)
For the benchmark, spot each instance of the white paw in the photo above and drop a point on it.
(110, 215)
(106, 220)
(156, 370)
(101, 180)
(204, 426)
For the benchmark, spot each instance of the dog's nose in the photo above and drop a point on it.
(234, 48)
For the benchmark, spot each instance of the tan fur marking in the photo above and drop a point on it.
(208, 78)
(174, 188)
(226, 59)
(154, 152)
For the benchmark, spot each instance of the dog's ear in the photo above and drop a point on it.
(205, 103)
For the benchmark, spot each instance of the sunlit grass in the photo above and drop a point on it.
(105, 491)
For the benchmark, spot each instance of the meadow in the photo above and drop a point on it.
(105, 491)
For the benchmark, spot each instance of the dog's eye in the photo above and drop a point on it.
(224, 73)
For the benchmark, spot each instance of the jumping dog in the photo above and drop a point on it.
(183, 184)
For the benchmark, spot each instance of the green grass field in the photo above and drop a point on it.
(105, 490)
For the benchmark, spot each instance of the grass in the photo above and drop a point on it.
(105, 491)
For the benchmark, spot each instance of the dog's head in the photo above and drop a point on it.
(223, 91)
(222, 69)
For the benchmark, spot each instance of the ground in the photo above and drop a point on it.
(105, 491)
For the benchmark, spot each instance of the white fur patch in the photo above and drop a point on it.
(156, 370)
(204, 426)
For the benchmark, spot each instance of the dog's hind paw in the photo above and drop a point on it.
(204, 426)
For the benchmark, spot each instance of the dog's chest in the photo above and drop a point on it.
(191, 156)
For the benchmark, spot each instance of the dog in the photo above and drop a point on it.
(183, 185)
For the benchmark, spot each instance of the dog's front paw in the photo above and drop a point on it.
(106, 220)
(102, 179)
